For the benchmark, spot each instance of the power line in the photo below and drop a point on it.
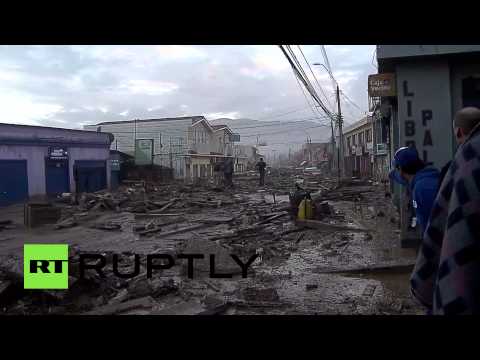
(305, 96)
(351, 101)
(282, 114)
(163, 132)
(304, 79)
(318, 84)
(287, 131)
(329, 68)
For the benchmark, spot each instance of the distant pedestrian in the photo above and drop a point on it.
(446, 278)
(261, 166)
(228, 171)
(217, 173)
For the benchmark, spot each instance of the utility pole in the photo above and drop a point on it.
(171, 155)
(341, 169)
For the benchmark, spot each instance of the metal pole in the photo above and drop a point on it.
(341, 170)
(135, 138)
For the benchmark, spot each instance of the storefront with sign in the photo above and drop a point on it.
(40, 161)
(56, 171)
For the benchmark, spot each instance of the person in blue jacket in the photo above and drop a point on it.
(422, 180)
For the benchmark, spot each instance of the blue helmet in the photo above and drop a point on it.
(405, 156)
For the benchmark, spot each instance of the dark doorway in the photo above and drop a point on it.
(471, 91)
(90, 175)
(56, 177)
(13, 181)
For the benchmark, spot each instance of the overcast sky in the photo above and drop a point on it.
(70, 86)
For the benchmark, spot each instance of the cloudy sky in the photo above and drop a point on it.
(70, 86)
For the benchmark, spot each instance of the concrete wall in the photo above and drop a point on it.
(395, 51)
(425, 109)
(35, 156)
(169, 139)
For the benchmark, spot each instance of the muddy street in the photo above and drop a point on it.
(350, 262)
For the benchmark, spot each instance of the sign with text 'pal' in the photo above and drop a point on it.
(144, 152)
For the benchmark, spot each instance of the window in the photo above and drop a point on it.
(349, 139)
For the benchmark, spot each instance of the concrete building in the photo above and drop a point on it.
(207, 145)
(38, 161)
(247, 155)
(414, 96)
(188, 145)
(317, 154)
(169, 137)
(358, 151)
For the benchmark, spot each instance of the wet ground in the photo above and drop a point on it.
(307, 272)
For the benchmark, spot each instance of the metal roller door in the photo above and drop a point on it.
(13, 181)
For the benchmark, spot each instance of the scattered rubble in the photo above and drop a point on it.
(201, 218)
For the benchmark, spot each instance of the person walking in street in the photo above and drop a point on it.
(217, 174)
(261, 166)
(447, 272)
(228, 171)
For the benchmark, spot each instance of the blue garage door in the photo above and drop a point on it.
(90, 175)
(13, 181)
(56, 175)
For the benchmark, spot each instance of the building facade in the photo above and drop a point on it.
(190, 146)
(247, 155)
(168, 135)
(317, 154)
(207, 145)
(359, 149)
(41, 161)
(414, 97)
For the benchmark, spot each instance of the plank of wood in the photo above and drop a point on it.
(143, 215)
(276, 216)
(315, 224)
(110, 309)
(185, 229)
(150, 231)
(162, 209)
(299, 237)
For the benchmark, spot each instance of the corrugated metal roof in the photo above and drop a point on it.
(194, 119)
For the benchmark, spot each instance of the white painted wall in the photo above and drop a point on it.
(35, 156)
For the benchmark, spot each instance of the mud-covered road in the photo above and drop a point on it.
(298, 271)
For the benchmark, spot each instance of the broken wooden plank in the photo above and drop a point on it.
(276, 216)
(393, 268)
(111, 309)
(149, 231)
(184, 308)
(315, 224)
(144, 215)
(217, 220)
(109, 227)
(67, 223)
(299, 237)
(162, 209)
(185, 229)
